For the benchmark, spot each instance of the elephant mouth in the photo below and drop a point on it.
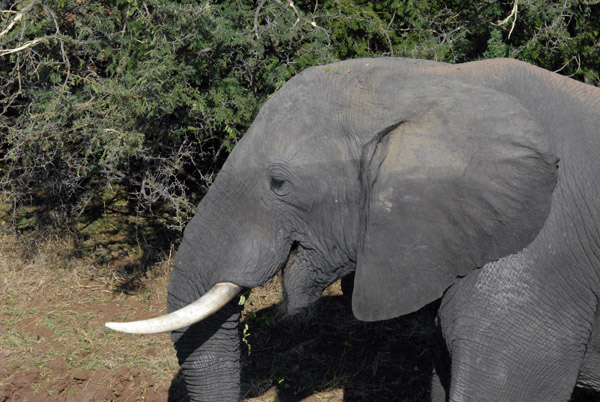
(302, 286)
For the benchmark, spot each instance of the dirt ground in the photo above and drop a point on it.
(55, 300)
(53, 345)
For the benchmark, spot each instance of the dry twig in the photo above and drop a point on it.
(17, 18)
(4, 52)
(513, 15)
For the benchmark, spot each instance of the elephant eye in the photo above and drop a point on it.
(279, 186)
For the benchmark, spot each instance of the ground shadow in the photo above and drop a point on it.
(177, 391)
(391, 360)
(382, 361)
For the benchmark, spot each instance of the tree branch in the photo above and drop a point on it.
(256, 14)
(4, 52)
(513, 15)
(17, 18)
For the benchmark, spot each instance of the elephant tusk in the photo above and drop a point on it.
(211, 302)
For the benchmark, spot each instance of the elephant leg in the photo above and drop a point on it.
(514, 338)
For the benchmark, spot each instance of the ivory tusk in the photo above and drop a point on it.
(211, 302)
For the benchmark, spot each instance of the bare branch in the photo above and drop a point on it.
(62, 46)
(4, 52)
(513, 15)
(256, 14)
(291, 4)
(17, 18)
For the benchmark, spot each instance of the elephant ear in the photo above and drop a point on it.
(466, 180)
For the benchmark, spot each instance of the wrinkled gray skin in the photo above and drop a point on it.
(413, 174)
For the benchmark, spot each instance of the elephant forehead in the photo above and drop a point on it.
(303, 154)
(310, 148)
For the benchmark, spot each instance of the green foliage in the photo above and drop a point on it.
(559, 36)
(496, 46)
(152, 95)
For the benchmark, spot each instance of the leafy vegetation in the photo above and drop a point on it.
(145, 99)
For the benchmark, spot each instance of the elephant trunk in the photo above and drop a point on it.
(217, 247)
(209, 356)
(208, 351)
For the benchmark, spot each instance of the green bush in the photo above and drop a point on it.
(148, 97)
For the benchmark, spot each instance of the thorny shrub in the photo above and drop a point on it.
(147, 97)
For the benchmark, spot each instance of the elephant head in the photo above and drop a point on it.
(409, 179)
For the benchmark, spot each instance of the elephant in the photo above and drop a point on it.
(476, 183)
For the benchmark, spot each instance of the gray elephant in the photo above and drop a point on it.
(479, 182)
